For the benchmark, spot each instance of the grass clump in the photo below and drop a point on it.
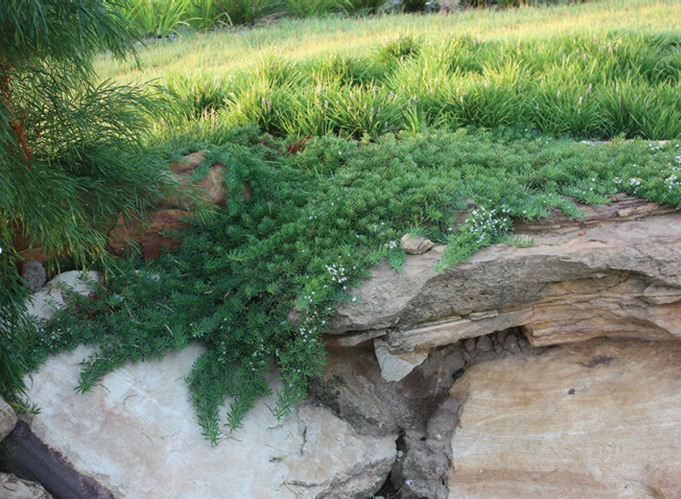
(161, 18)
(584, 86)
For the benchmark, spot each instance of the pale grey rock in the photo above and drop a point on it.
(353, 339)
(43, 303)
(12, 487)
(34, 276)
(484, 344)
(511, 345)
(396, 367)
(136, 433)
(487, 314)
(8, 419)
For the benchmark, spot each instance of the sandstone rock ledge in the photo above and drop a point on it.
(593, 413)
(608, 274)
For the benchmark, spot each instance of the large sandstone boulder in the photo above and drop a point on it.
(136, 434)
(598, 419)
(610, 273)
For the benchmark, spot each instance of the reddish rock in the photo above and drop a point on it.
(172, 215)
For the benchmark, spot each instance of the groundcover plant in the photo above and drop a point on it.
(312, 226)
(342, 152)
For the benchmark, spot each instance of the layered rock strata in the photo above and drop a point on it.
(608, 276)
(597, 419)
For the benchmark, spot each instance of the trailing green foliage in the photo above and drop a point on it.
(330, 159)
(306, 232)
(70, 155)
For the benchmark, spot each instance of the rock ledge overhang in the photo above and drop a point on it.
(616, 271)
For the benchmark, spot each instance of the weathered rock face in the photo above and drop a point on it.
(417, 406)
(171, 214)
(353, 386)
(614, 279)
(597, 419)
(136, 434)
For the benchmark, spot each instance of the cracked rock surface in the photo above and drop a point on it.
(418, 407)
(136, 434)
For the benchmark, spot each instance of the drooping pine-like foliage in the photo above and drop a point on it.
(69, 152)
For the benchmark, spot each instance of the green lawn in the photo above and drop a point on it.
(225, 51)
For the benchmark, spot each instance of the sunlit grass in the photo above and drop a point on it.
(225, 51)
